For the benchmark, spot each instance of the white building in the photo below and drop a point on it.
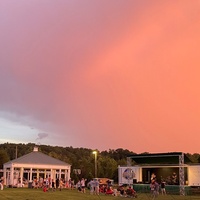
(34, 165)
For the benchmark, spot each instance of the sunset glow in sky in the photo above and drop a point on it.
(101, 74)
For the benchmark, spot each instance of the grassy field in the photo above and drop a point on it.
(38, 194)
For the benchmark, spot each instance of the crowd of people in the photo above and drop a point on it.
(127, 191)
(94, 186)
(48, 184)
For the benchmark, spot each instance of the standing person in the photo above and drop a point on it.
(53, 185)
(57, 183)
(78, 185)
(153, 188)
(83, 185)
(61, 184)
(1, 183)
(49, 180)
(70, 183)
(157, 187)
(96, 187)
(67, 184)
(162, 186)
(40, 182)
(92, 186)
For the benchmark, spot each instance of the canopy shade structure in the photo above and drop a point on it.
(159, 158)
(35, 165)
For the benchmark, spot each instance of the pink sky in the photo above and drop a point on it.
(101, 74)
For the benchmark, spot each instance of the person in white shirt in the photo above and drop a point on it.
(83, 185)
(92, 186)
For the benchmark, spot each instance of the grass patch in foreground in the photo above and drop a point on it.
(38, 194)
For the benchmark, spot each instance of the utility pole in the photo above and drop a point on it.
(16, 152)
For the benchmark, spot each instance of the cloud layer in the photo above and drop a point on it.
(103, 74)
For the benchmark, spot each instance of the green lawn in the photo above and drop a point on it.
(38, 194)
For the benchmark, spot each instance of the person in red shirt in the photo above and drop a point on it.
(130, 192)
(109, 190)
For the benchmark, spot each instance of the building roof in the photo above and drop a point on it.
(37, 157)
(159, 158)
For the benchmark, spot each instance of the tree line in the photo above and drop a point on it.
(78, 158)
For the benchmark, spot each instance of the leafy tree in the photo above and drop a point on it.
(3, 157)
(106, 167)
(78, 158)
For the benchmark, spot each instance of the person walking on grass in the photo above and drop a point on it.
(162, 186)
(57, 183)
(53, 185)
(154, 186)
(96, 184)
(92, 186)
(61, 184)
(83, 185)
